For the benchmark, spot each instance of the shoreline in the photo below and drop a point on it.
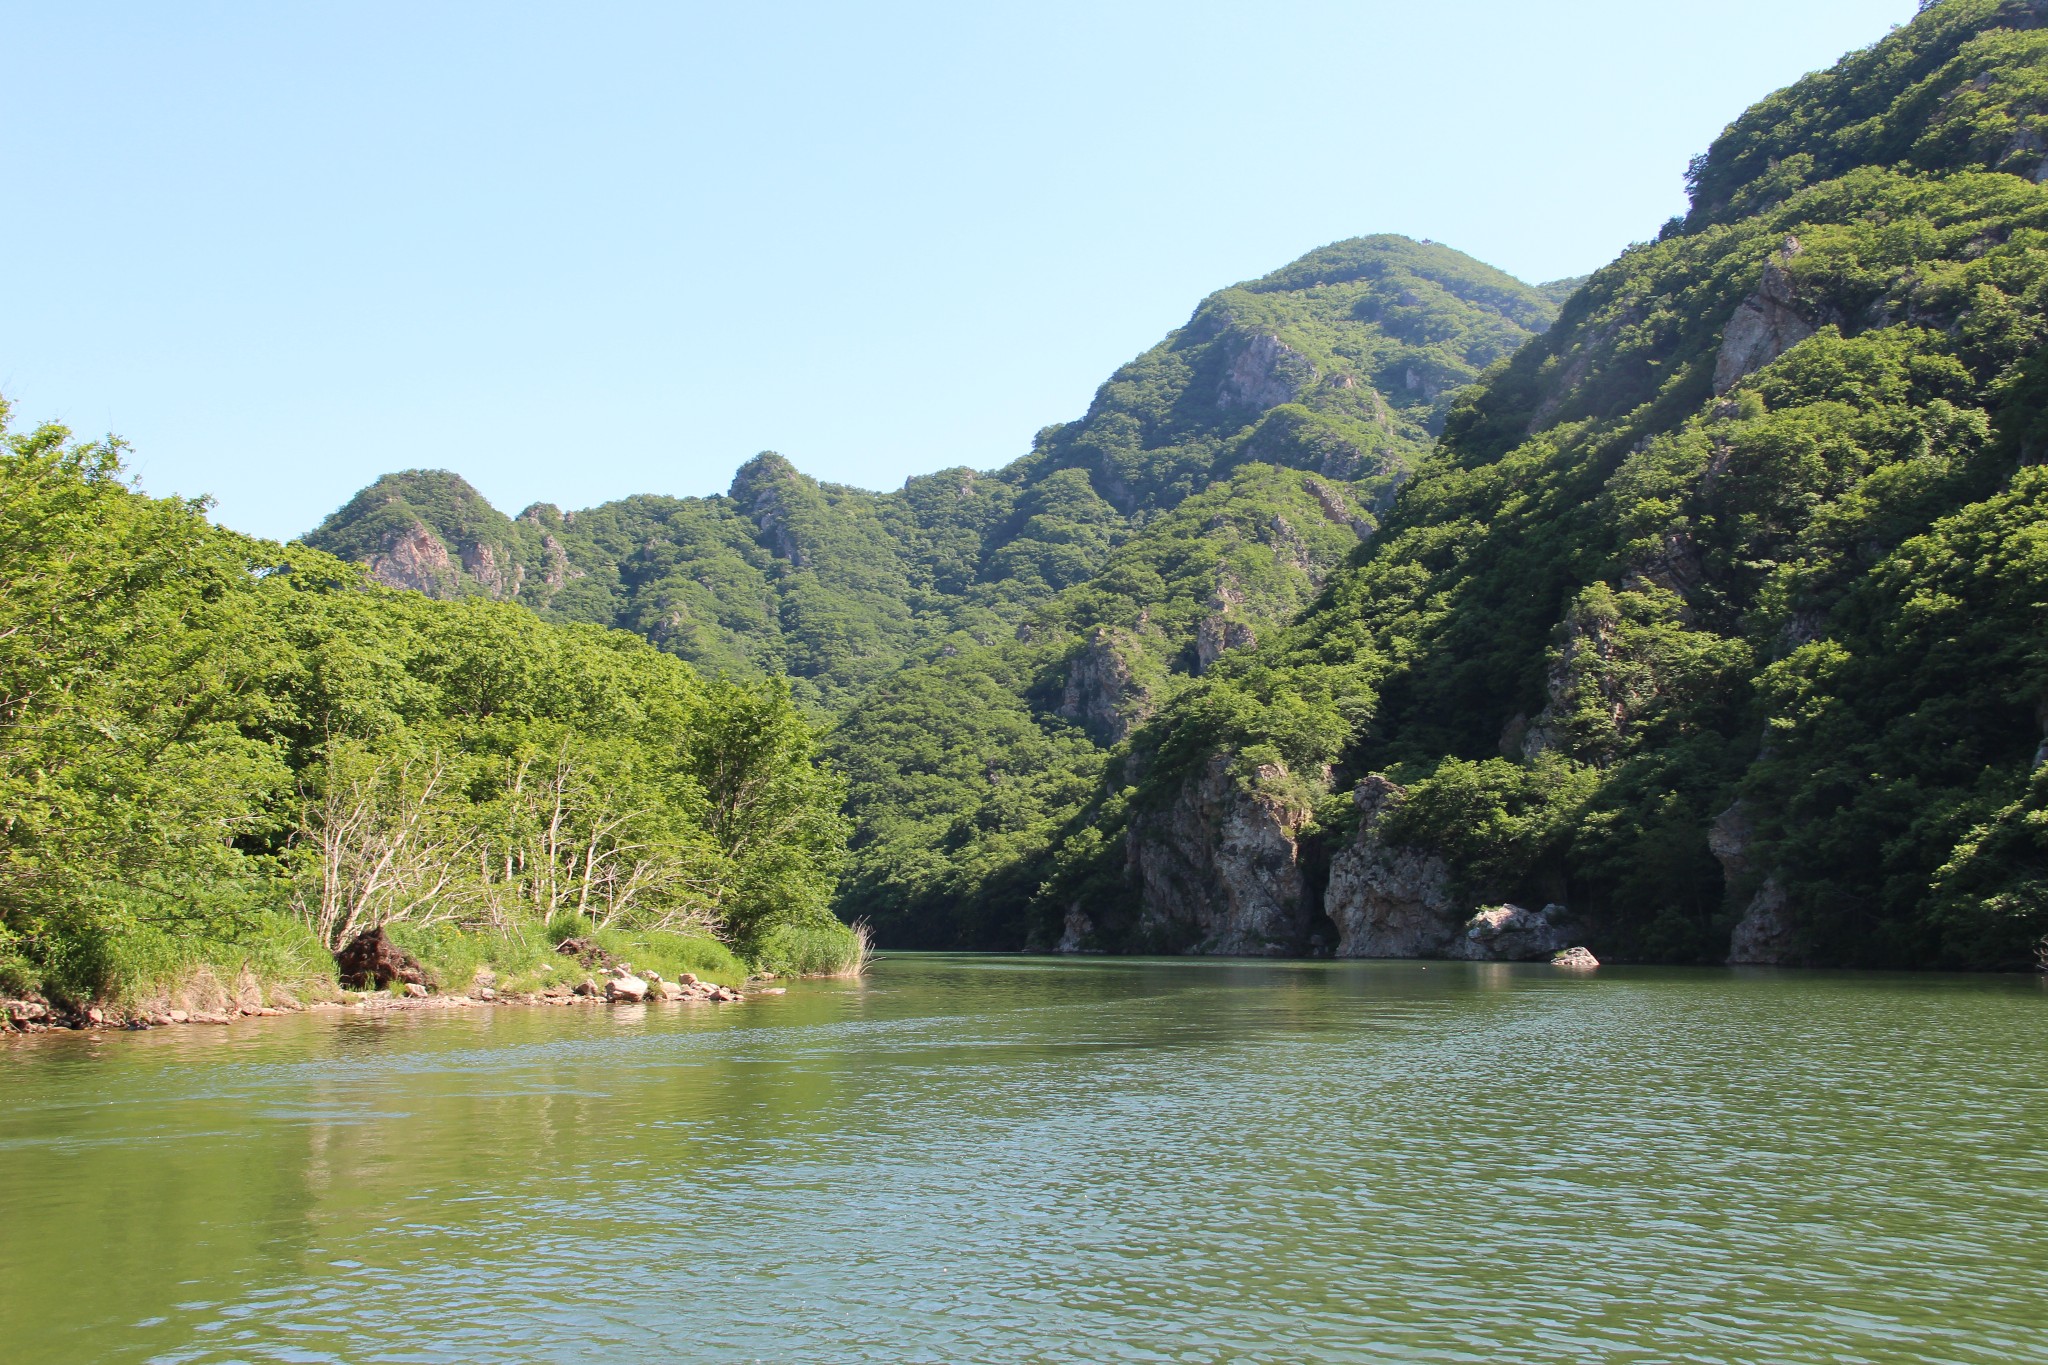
(20, 1018)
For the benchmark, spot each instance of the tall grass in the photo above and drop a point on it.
(524, 958)
(275, 956)
(817, 948)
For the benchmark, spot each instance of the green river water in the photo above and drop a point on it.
(1005, 1159)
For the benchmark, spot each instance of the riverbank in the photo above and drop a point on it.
(36, 1015)
(161, 981)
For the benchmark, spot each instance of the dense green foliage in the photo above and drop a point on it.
(1342, 364)
(1655, 576)
(218, 748)
(1717, 603)
(987, 639)
(1251, 451)
(1961, 88)
(965, 771)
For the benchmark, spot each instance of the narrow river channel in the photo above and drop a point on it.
(1012, 1159)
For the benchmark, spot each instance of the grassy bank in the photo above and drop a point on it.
(277, 960)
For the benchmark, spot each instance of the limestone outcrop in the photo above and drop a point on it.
(1392, 900)
(1101, 692)
(494, 570)
(1763, 935)
(1510, 933)
(1220, 869)
(1264, 373)
(762, 488)
(1077, 932)
(1764, 326)
(1388, 900)
(1215, 635)
(415, 560)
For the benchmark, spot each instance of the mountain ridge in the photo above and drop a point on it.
(1390, 607)
(1339, 362)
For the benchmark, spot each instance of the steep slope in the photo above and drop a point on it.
(964, 770)
(782, 576)
(1715, 620)
(1213, 485)
(1339, 365)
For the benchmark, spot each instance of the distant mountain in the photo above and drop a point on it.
(1339, 368)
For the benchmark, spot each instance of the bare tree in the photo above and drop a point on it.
(574, 842)
(387, 849)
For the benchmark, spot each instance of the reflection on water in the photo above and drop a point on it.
(1016, 1159)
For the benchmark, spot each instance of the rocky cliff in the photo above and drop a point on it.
(1386, 899)
(1219, 871)
(1714, 614)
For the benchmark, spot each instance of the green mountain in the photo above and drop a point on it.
(1341, 366)
(1714, 623)
(227, 758)
(1691, 611)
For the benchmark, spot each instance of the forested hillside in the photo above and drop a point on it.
(1715, 621)
(1705, 624)
(1341, 365)
(223, 755)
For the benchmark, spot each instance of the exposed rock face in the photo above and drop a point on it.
(760, 488)
(1728, 840)
(1388, 900)
(1265, 373)
(494, 570)
(1221, 867)
(1509, 933)
(1578, 959)
(1101, 692)
(1077, 933)
(1593, 664)
(1765, 325)
(1763, 937)
(1288, 546)
(1338, 509)
(1674, 565)
(626, 987)
(417, 561)
(371, 959)
(559, 570)
(1216, 635)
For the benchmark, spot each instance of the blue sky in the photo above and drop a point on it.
(580, 251)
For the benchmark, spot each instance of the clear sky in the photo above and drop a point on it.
(576, 251)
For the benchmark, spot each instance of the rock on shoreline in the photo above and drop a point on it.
(36, 1015)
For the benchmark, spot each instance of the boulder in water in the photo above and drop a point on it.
(1511, 933)
(1578, 959)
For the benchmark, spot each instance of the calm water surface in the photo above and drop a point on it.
(976, 1159)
